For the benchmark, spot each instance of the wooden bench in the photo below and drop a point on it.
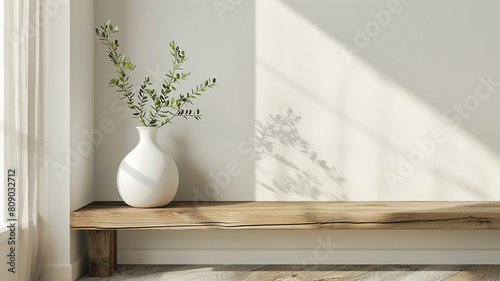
(103, 219)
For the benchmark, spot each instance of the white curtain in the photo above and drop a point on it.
(24, 143)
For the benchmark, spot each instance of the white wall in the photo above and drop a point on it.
(364, 112)
(215, 49)
(309, 247)
(55, 73)
(82, 133)
(363, 106)
(67, 63)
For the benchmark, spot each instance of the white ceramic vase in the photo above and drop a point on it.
(147, 176)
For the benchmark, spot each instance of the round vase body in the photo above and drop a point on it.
(147, 176)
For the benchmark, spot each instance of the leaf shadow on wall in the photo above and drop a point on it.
(381, 101)
(276, 139)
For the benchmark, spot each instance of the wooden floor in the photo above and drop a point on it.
(301, 272)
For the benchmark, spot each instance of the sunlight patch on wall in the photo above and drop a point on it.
(331, 128)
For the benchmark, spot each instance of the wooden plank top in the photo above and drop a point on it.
(291, 215)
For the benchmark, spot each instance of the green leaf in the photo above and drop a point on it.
(159, 98)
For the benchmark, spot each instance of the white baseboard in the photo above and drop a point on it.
(79, 266)
(56, 272)
(340, 256)
(65, 272)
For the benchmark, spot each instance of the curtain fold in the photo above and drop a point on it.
(24, 138)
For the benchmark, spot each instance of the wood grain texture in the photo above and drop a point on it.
(478, 272)
(409, 272)
(291, 215)
(102, 252)
(296, 272)
(303, 272)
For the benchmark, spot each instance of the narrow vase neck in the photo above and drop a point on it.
(148, 134)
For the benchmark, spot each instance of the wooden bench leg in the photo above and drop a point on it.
(102, 252)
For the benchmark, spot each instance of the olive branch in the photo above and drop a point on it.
(153, 108)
